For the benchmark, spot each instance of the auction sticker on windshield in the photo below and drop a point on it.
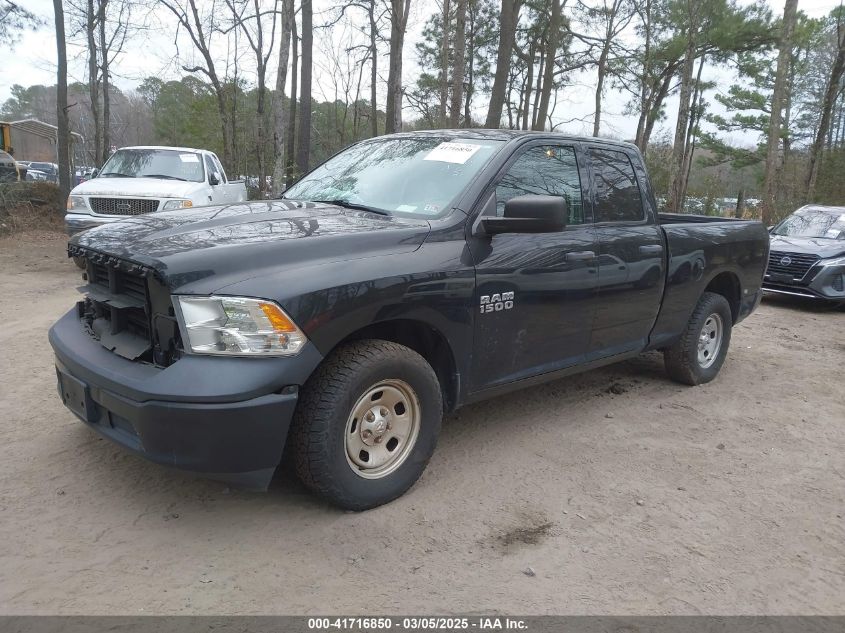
(189, 158)
(453, 152)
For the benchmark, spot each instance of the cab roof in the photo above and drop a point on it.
(509, 135)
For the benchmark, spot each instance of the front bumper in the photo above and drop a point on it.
(223, 420)
(78, 222)
(820, 282)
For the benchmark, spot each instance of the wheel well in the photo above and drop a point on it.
(727, 285)
(425, 341)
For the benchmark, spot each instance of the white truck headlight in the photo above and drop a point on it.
(76, 203)
(172, 205)
(237, 326)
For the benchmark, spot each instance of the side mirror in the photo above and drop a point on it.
(529, 214)
(94, 172)
(214, 179)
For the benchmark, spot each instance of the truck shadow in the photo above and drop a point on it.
(496, 415)
(139, 482)
(802, 304)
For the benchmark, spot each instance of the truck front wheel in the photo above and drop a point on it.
(698, 355)
(366, 424)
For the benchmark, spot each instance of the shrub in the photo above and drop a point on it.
(30, 205)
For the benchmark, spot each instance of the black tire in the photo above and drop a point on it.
(80, 262)
(682, 359)
(324, 409)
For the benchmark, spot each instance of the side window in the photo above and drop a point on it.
(209, 167)
(220, 168)
(547, 170)
(618, 196)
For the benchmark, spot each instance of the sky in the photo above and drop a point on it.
(33, 61)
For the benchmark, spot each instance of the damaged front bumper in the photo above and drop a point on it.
(78, 222)
(222, 418)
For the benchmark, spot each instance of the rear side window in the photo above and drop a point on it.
(547, 170)
(618, 196)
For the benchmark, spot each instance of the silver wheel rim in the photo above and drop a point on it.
(382, 429)
(710, 340)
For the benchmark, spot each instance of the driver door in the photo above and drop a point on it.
(535, 293)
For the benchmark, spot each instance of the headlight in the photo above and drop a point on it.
(839, 261)
(238, 326)
(76, 203)
(172, 205)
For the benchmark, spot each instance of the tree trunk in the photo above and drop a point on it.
(507, 36)
(371, 10)
(535, 106)
(303, 148)
(470, 66)
(398, 24)
(93, 82)
(63, 128)
(740, 203)
(676, 167)
(549, 67)
(459, 67)
(527, 89)
(695, 117)
(645, 76)
(444, 64)
(653, 114)
(830, 95)
(223, 111)
(281, 107)
(104, 53)
(778, 99)
(294, 86)
(602, 71)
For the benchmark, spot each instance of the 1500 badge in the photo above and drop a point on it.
(496, 302)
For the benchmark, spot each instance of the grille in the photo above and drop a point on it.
(123, 206)
(124, 283)
(120, 298)
(793, 264)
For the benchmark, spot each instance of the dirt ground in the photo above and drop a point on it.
(624, 493)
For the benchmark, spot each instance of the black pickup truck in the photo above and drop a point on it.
(405, 277)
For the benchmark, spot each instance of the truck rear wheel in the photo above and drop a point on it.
(366, 424)
(699, 354)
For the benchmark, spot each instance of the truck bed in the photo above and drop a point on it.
(697, 247)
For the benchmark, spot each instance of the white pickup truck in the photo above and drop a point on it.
(140, 180)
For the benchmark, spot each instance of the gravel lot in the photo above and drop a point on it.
(623, 492)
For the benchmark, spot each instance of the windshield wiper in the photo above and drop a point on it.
(116, 174)
(352, 205)
(164, 176)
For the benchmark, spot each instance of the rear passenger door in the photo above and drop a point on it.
(631, 246)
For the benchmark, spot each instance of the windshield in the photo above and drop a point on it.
(414, 176)
(154, 163)
(813, 223)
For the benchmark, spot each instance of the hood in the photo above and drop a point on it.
(207, 248)
(824, 248)
(142, 187)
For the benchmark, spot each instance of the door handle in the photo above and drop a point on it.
(651, 249)
(580, 256)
